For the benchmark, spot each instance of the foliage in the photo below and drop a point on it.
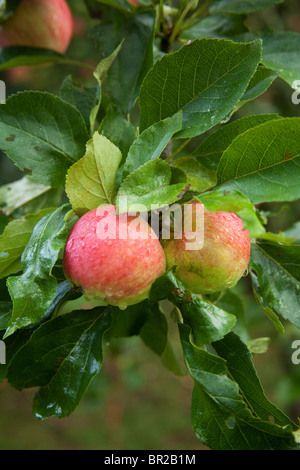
(158, 124)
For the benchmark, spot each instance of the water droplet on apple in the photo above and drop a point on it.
(246, 272)
(122, 305)
(120, 293)
(70, 244)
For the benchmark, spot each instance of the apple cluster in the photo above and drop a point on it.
(116, 259)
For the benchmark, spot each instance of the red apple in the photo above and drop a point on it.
(113, 258)
(221, 261)
(18, 75)
(134, 3)
(39, 23)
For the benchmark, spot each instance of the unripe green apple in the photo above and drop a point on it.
(221, 261)
(39, 23)
(113, 258)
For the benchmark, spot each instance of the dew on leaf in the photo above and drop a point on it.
(230, 422)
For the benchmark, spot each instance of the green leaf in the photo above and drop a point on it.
(154, 332)
(259, 83)
(231, 303)
(199, 177)
(209, 323)
(146, 320)
(241, 369)
(128, 322)
(263, 162)
(62, 356)
(210, 151)
(118, 130)
(165, 287)
(52, 131)
(278, 274)
(104, 36)
(4, 219)
(123, 82)
(150, 144)
(50, 199)
(91, 181)
(216, 26)
(204, 79)
(82, 98)
(281, 52)
(19, 193)
(270, 314)
(220, 417)
(5, 314)
(258, 345)
(33, 292)
(235, 6)
(101, 69)
(28, 56)
(152, 183)
(63, 290)
(15, 237)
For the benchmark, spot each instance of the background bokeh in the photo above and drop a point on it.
(135, 403)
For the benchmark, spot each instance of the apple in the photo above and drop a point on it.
(113, 258)
(220, 262)
(134, 3)
(39, 23)
(17, 75)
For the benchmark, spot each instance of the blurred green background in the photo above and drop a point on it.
(135, 403)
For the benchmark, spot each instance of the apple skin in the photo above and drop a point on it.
(117, 271)
(39, 23)
(222, 260)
